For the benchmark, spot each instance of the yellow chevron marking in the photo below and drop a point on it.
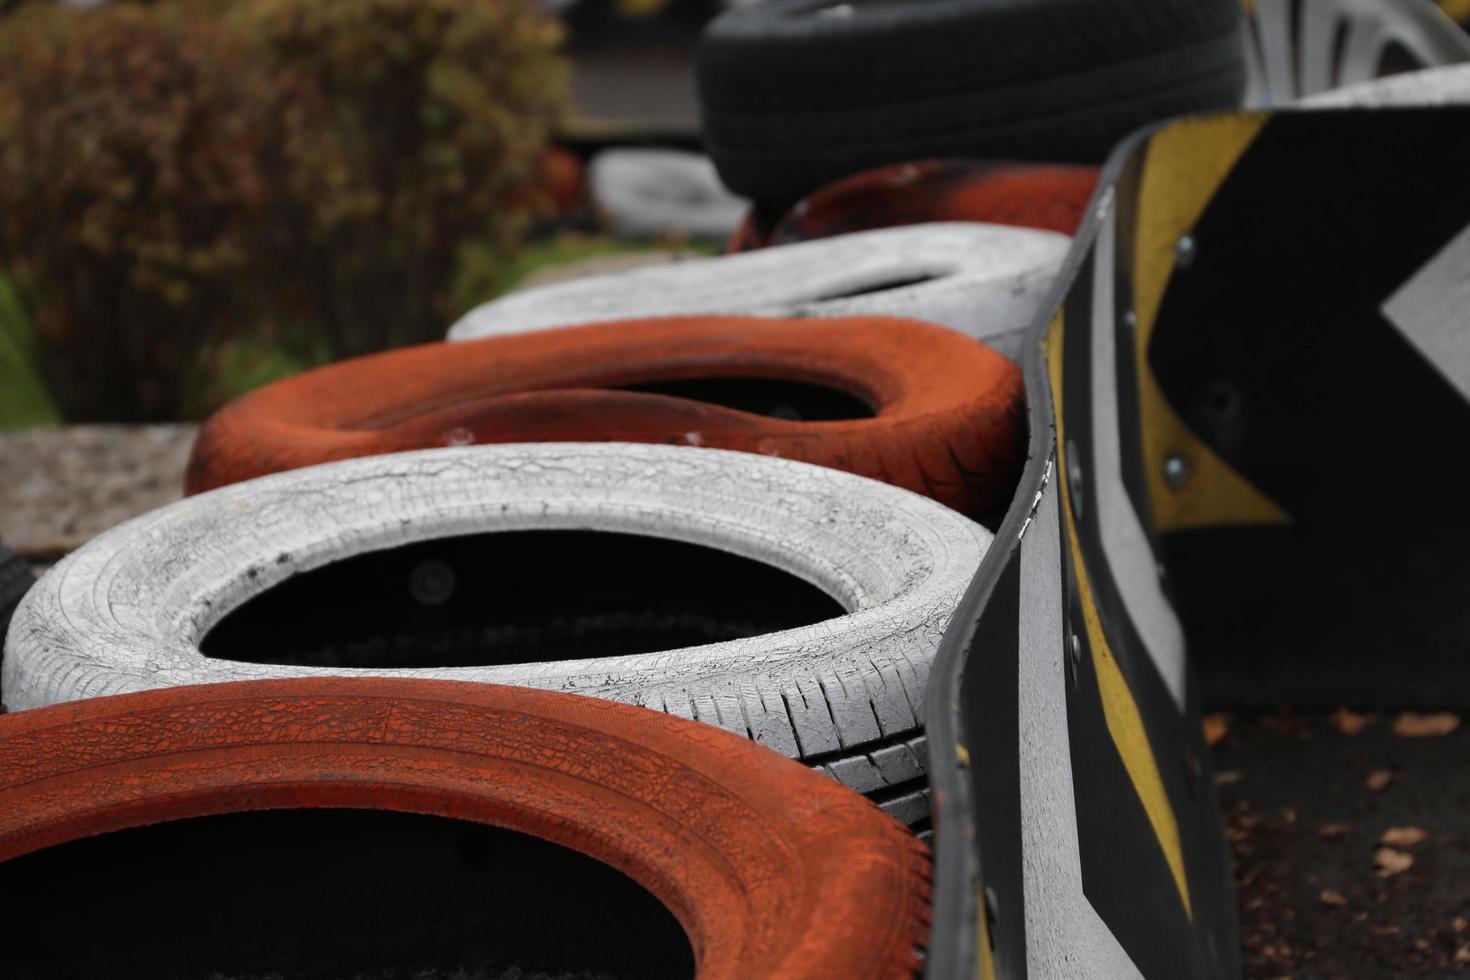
(1125, 722)
(1186, 164)
(1456, 9)
(987, 961)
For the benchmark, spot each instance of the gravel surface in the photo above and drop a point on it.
(61, 487)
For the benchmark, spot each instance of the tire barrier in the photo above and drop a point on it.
(650, 193)
(909, 403)
(770, 869)
(986, 281)
(1297, 48)
(1043, 196)
(798, 93)
(1204, 474)
(1445, 86)
(792, 604)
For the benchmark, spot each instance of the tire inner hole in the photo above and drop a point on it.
(880, 285)
(799, 401)
(514, 597)
(371, 895)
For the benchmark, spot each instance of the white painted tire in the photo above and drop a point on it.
(128, 611)
(646, 193)
(987, 281)
(1449, 85)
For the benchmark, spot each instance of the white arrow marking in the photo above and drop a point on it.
(1432, 311)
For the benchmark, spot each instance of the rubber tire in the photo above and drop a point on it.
(1444, 86)
(986, 281)
(650, 193)
(771, 869)
(1053, 198)
(793, 100)
(947, 411)
(128, 610)
(16, 579)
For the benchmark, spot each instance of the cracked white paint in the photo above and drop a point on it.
(128, 611)
(987, 281)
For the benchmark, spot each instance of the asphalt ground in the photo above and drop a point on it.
(1351, 838)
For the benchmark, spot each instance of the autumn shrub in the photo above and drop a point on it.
(186, 177)
(131, 191)
(428, 119)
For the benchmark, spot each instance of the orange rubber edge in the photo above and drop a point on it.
(772, 869)
(1053, 197)
(949, 419)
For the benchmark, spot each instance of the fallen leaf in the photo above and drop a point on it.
(1379, 779)
(1350, 722)
(1391, 861)
(1460, 923)
(1403, 836)
(1462, 955)
(1228, 776)
(1413, 725)
(1330, 830)
(1331, 896)
(1215, 728)
(1388, 930)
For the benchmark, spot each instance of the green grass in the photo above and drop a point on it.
(24, 400)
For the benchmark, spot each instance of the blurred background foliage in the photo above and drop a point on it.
(199, 196)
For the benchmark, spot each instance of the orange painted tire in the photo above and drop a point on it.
(562, 176)
(771, 869)
(947, 410)
(1049, 196)
(556, 188)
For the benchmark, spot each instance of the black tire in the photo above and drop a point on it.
(15, 580)
(794, 98)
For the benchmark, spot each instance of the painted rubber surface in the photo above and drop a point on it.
(772, 870)
(798, 93)
(1050, 197)
(947, 410)
(1449, 85)
(563, 178)
(125, 613)
(15, 580)
(986, 281)
(647, 193)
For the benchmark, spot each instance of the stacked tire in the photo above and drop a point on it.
(798, 93)
(769, 869)
(901, 401)
(690, 519)
(268, 590)
(985, 281)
